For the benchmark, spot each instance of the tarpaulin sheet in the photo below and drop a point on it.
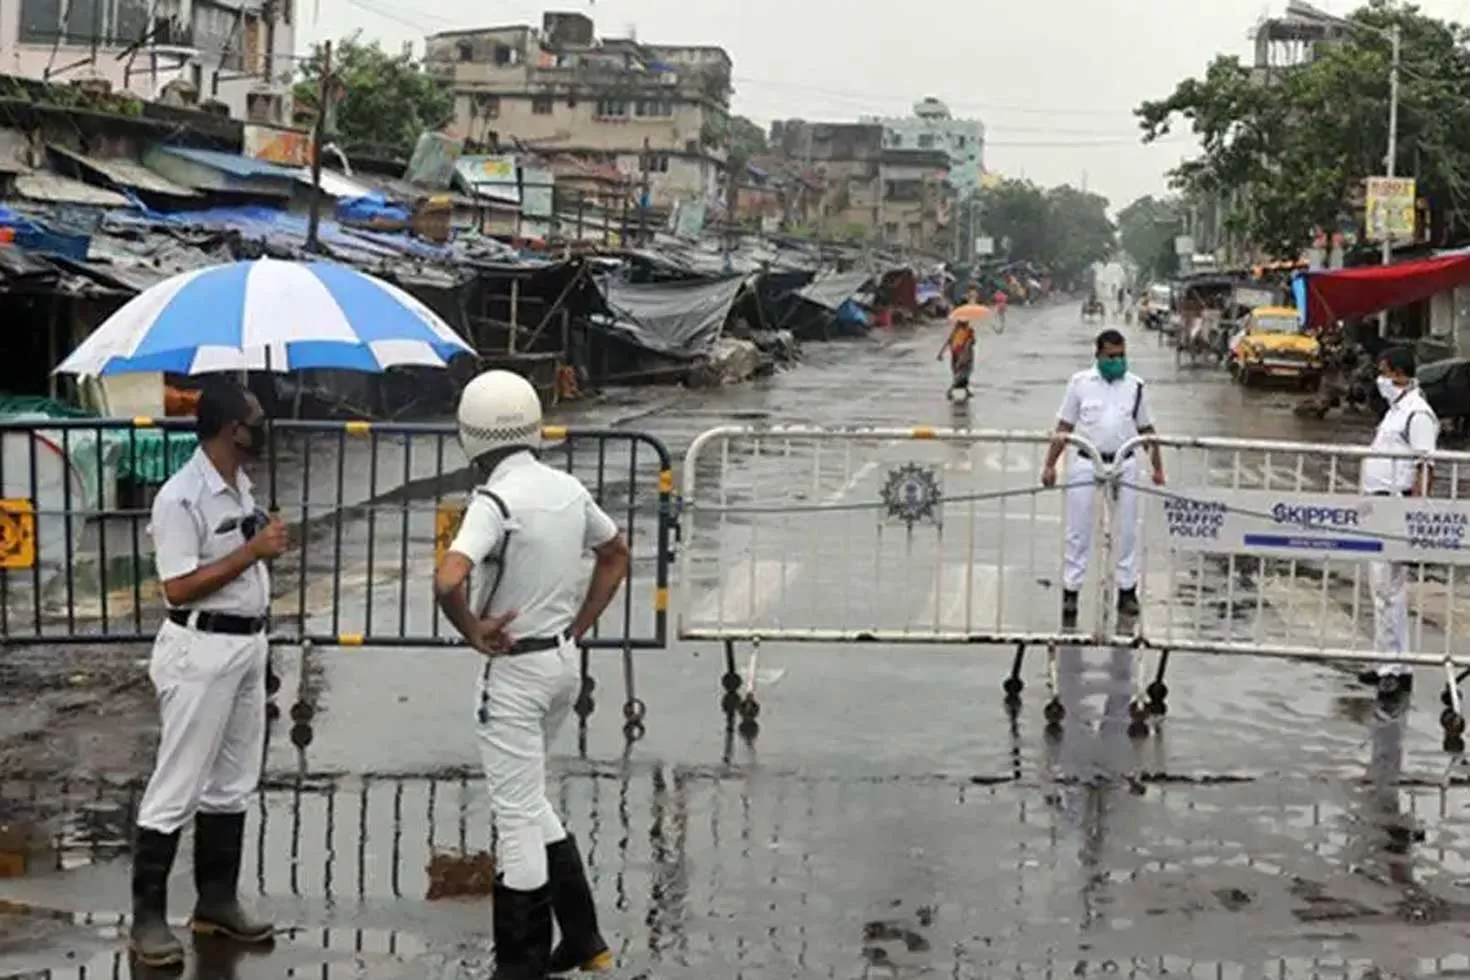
(1347, 293)
(679, 319)
(832, 291)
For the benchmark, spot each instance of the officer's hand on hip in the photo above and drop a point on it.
(270, 541)
(1048, 476)
(492, 637)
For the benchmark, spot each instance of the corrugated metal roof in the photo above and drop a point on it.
(335, 184)
(231, 163)
(43, 186)
(126, 173)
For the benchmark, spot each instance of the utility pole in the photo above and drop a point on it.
(643, 195)
(1395, 36)
(318, 140)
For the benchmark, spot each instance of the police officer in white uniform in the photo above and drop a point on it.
(1106, 405)
(1409, 426)
(526, 535)
(209, 664)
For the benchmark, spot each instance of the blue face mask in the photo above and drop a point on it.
(1112, 368)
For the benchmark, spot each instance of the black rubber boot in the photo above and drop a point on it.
(150, 938)
(582, 946)
(1128, 602)
(522, 925)
(1069, 605)
(218, 838)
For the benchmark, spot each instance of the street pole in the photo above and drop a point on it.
(1393, 152)
(318, 140)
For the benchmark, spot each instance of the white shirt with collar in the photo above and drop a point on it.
(1102, 411)
(554, 524)
(1409, 426)
(196, 521)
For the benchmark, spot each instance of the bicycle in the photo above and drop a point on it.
(998, 321)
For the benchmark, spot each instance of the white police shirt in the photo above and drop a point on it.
(197, 520)
(553, 524)
(1409, 425)
(1106, 414)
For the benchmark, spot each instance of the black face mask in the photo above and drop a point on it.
(255, 448)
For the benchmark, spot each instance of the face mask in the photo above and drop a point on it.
(1112, 368)
(1388, 389)
(255, 447)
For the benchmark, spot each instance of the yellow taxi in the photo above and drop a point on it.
(1271, 343)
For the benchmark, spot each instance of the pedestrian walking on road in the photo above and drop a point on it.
(525, 536)
(210, 545)
(1107, 406)
(1409, 426)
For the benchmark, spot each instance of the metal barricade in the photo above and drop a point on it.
(896, 536)
(369, 506)
(1270, 549)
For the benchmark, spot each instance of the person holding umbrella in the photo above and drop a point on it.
(959, 344)
(210, 544)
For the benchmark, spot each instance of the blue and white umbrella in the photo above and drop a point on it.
(267, 315)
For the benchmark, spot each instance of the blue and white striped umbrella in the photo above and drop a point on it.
(267, 314)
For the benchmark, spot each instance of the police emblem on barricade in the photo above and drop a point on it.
(911, 494)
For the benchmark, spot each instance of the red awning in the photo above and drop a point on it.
(1348, 293)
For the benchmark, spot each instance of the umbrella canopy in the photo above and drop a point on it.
(267, 314)
(970, 311)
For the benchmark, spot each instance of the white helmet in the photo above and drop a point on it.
(497, 410)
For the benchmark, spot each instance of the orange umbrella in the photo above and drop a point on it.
(970, 311)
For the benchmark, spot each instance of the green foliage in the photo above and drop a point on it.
(1146, 230)
(1062, 228)
(389, 99)
(1288, 153)
(747, 140)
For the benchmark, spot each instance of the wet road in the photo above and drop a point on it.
(889, 820)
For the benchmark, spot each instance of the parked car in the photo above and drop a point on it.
(1271, 343)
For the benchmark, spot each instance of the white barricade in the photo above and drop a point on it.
(1270, 548)
(812, 534)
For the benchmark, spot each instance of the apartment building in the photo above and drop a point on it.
(932, 128)
(234, 52)
(656, 112)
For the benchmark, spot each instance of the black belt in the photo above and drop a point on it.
(1107, 457)
(535, 644)
(215, 622)
(1386, 493)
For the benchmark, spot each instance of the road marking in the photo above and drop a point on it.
(745, 591)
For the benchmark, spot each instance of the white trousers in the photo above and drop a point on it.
(525, 699)
(1081, 497)
(211, 696)
(1389, 583)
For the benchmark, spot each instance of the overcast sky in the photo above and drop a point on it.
(1054, 81)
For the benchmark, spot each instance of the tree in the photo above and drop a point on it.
(1289, 154)
(1062, 228)
(747, 140)
(387, 102)
(1146, 230)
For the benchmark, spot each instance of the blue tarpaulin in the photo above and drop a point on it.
(373, 208)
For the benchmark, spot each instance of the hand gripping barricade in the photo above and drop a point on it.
(895, 536)
(369, 507)
(1269, 549)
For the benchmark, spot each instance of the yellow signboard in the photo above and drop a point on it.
(446, 524)
(1390, 209)
(17, 533)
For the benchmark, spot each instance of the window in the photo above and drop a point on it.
(504, 55)
(654, 107)
(612, 109)
(926, 141)
(960, 141)
(484, 106)
(542, 105)
(466, 51)
(656, 163)
(87, 21)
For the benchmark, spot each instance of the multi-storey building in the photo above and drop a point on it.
(657, 112)
(234, 52)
